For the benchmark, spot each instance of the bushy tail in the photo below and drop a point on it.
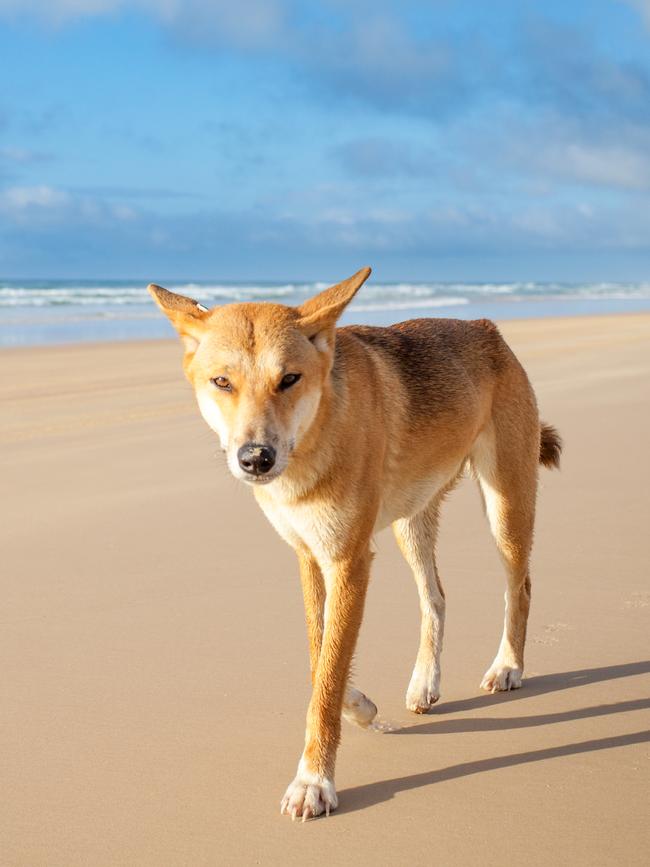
(550, 447)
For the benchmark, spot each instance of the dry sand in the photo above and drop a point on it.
(154, 659)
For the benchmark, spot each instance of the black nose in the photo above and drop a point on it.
(256, 459)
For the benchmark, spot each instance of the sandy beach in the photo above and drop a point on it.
(155, 671)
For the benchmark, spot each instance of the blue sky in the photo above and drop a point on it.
(273, 139)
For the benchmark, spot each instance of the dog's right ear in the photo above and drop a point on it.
(186, 315)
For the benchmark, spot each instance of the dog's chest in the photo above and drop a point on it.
(326, 529)
(318, 527)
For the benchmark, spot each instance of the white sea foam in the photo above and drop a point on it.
(413, 304)
(108, 296)
(55, 311)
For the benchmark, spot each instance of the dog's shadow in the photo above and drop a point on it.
(360, 797)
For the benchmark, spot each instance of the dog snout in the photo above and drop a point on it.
(256, 459)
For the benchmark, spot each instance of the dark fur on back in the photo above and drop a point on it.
(423, 350)
(550, 447)
(421, 346)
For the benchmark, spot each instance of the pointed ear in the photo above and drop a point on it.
(322, 311)
(186, 315)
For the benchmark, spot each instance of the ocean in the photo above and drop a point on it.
(38, 312)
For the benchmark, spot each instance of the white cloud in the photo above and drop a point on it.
(123, 212)
(554, 150)
(261, 22)
(42, 205)
(59, 11)
(202, 20)
(373, 53)
(17, 199)
(604, 165)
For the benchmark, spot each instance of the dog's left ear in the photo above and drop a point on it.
(319, 315)
(186, 315)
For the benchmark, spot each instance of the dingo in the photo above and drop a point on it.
(343, 432)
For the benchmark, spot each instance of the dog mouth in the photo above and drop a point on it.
(259, 480)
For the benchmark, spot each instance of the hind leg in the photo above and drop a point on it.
(416, 538)
(505, 461)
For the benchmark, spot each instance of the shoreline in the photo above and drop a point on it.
(160, 330)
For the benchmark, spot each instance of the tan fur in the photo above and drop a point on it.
(375, 432)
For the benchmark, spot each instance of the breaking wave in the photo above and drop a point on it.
(104, 296)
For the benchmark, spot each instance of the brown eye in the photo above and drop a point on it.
(222, 383)
(288, 380)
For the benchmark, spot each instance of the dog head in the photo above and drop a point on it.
(259, 370)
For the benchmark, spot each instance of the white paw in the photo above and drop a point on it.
(309, 795)
(501, 678)
(358, 708)
(423, 691)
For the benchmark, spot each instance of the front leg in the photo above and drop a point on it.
(313, 591)
(312, 792)
(358, 709)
